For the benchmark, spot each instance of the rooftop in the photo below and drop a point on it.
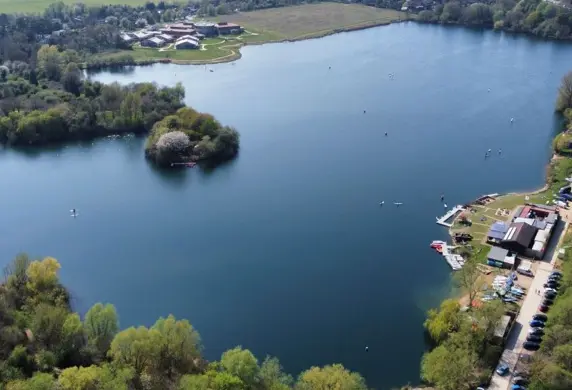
(498, 254)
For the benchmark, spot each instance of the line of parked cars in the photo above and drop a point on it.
(520, 379)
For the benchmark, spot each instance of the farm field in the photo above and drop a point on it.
(312, 20)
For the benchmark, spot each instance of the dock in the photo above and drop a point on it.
(450, 214)
(455, 261)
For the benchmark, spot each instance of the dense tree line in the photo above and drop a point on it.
(44, 345)
(465, 337)
(189, 135)
(52, 102)
(541, 18)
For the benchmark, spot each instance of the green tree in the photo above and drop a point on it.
(101, 326)
(178, 347)
(39, 381)
(449, 367)
(441, 322)
(50, 62)
(330, 377)
(71, 79)
(94, 377)
(272, 377)
(134, 348)
(242, 364)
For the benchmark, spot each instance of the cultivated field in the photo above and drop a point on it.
(38, 6)
(312, 20)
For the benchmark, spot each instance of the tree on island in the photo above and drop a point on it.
(189, 135)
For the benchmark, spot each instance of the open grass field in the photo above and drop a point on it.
(272, 25)
(38, 6)
(312, 20)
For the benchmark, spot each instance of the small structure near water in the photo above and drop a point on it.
(449, 215)
(455, 261)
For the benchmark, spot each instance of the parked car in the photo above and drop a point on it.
(548, 289)
(547, 301)
(537, 324)
(517, 387)
(502, 369)
(536, 331)
(540, 317)
(556, 273)
(543, 308)
(534, 338)
(552, 284)
(525, 272)
(550, 295)
(519, 380)
(531, 346)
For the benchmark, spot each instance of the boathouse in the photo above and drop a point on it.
(519, 238)
(497, 232)
(501, 258)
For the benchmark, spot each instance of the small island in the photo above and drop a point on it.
(189, 136)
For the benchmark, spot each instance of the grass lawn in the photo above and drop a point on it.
(311, 20)
(484, 216)
(38, 6)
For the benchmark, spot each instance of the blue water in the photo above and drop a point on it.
(286, 250)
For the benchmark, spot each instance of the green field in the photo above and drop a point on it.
(273, 25)
(38, 6)
(312, 20)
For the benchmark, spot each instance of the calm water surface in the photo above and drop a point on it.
(286, 251)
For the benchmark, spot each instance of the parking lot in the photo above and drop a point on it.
(514, 352)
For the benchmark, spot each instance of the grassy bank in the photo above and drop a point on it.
(272, 25)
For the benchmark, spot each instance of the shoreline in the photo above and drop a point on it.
(235, 47)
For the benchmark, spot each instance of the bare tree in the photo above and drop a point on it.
(564, 100)
(468, 279)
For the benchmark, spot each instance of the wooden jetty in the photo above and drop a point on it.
(455, 261)
(450, 214)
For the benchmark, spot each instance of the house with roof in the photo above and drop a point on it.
(191, 43)
(519, 238)
(541, 217)
(153, 42)
(226, 28)
(501, 258)
(166, 37)
(497, 232)
(208, 29)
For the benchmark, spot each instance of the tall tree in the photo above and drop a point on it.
(50, 62)
(450, 367)
(467, 278)
(242, 364)
(441, 322)
(101, 326)
(330, 377)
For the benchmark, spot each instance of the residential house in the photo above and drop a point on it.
(166, 37)
(208, 29)
(153, 42)
(187, 43)
(226, 28)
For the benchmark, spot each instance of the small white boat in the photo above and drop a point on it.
(445, 205)
(397, 203)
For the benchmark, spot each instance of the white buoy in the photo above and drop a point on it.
(382, 202)
(511, 120)
(366, 348)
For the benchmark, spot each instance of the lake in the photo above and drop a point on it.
(286, 250)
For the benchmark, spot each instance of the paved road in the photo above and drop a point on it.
(529, 307)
